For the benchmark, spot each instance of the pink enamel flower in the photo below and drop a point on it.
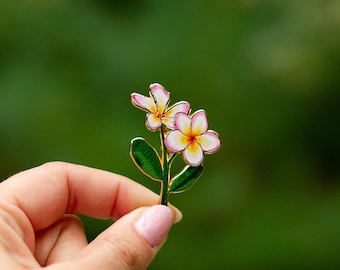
(192, 137)
(157, 109)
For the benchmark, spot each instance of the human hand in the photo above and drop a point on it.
(38, 226)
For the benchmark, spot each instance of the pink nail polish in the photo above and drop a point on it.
(155, 224)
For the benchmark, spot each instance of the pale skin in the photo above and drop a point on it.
(39, 227)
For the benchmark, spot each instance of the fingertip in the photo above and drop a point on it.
(154, 224)
(132, 241)
(178, 216)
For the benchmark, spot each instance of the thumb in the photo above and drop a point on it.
(131, 242)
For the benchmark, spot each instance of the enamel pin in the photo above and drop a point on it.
(181, 132)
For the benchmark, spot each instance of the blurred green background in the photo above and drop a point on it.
(265, 71)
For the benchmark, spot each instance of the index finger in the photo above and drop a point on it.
(47, 192)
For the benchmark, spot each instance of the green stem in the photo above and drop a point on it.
(171, 159)
(166, 171)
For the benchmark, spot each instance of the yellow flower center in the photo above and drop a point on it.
(191, 139)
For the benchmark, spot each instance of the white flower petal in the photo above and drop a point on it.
(199, 123)
(179, 107)
(193, 154)
(169, 122)
(175, 141)
(143, 102)
(153, 122)
(183, 123)
(209, 141)
(168, 118)
(161, 96)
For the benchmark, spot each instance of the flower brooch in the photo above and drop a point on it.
(180, 132)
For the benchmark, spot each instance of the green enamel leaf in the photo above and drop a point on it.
(146, 158)
(185, 179)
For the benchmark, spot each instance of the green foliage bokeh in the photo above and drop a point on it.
(266, 72)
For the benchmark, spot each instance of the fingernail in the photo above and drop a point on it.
(155, 224)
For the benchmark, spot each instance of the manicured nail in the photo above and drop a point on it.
(155, 224)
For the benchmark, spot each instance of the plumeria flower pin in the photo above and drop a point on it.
(180, 132)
